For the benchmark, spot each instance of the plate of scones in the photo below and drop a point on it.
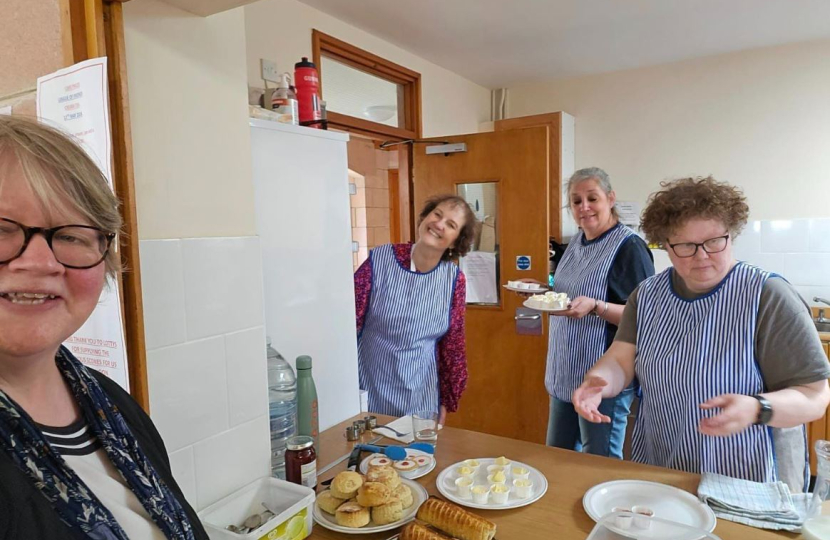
(378, 501)
(416, 464)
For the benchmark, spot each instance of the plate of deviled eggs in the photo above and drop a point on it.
(491, 483)
(549, 302)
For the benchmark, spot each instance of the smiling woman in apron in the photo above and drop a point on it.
(410, 302)
(602, 264)
(728, 360)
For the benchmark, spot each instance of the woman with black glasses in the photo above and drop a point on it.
(729, 363)
(78, 457)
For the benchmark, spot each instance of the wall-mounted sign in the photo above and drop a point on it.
(523, 262)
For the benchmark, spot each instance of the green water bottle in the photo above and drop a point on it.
(308, 421)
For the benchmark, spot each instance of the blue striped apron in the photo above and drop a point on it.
(574, 345)
(397, 349)
(689, 351)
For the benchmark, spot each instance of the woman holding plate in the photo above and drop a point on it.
(602, 264)
(726, 354)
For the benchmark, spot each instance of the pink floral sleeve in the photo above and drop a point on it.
(452, 350)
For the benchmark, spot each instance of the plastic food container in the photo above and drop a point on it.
(291, 503)
(618, 525)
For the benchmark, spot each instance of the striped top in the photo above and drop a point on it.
(574, 345)
(689, 351)
(410, 333)
(72, 440)
(84, 453)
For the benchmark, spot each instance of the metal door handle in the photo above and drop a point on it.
(527, 317)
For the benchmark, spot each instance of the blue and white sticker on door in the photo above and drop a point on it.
(523, 262)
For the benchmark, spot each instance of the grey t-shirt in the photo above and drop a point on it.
(788, 351)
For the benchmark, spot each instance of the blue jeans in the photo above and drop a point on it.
(566, 429)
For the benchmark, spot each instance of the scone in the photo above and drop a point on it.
(385, 475)
(404, 494)
(328, 503)
(373, 494)
(387, 513)
(346, 484)
(352, 515)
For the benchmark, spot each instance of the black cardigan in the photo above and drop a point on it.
(26, 514)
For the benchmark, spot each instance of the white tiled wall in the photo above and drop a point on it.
(797, 249)
(205, 334)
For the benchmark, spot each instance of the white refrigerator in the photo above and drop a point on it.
(303, 221)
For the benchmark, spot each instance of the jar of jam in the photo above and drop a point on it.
(301, 461)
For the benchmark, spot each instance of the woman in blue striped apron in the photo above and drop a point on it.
(726, 355)
(410, 302)
(602, 264)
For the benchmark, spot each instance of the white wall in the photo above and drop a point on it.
(203, 306)
(280, 30)
(188, 101)
(759, 119)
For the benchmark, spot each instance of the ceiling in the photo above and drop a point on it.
(501, 43)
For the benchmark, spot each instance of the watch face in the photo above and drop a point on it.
(765, 414)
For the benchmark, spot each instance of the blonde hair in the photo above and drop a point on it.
(61, 175)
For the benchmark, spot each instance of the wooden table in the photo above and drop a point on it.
(559, 513)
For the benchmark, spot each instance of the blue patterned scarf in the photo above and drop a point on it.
(76, 505)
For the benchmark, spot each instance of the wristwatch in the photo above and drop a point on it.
(765, 413)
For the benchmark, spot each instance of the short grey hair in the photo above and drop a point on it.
(591, 173)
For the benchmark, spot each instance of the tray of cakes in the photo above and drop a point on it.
(416, 464)
(379, 501)
(491, 483)
(550, 301)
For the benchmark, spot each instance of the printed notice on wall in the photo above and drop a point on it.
(76, 100)
(629, 213)
(479, 268)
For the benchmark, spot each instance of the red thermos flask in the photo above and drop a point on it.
(308, 88)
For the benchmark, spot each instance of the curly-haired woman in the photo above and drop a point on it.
(410, 302)
(729, 363)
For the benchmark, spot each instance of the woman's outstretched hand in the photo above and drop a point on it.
(587, 397)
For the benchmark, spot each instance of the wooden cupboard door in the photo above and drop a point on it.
(819, 429)
(505, 390)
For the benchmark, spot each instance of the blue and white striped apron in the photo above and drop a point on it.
(689, 351)
(397, 349)
(574, 345)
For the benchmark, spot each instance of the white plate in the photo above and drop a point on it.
(446, 485)
(419, 495)
(527, 304)
(540, 289)
(414, 473)
(667, 502)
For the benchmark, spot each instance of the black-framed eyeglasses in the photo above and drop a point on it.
(684, 250)
(74, 246)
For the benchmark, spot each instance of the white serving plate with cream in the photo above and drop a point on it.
(446, 485)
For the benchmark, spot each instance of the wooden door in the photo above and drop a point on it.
(505, 390)
(553, 121)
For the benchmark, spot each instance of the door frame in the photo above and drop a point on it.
(91, 29)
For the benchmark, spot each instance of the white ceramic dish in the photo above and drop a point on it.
(446, 485)
(419, 495)
(668, 503)
(536, 290)
(528, 304)
(410, 453)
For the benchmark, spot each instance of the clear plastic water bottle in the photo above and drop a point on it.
(282, 406)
